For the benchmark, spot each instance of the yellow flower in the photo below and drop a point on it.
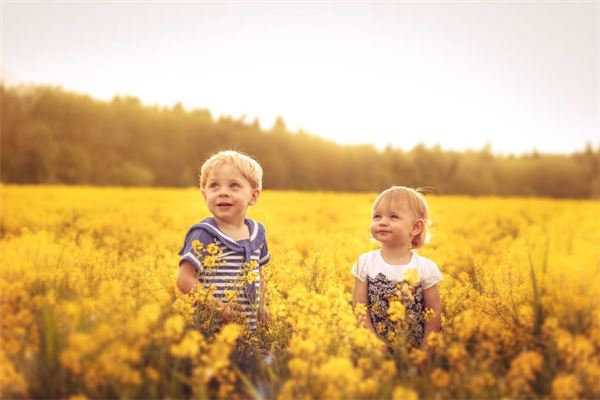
(566, 387)
(439, 378)
(212, 249)
(252, 277)
(429, 314)
(404, 393)
(152, 374)
(396, 311)
(412, 276)
(189, 346)
(230, 295)
(174, 326)
(209, 261)
(377, 309)
(197, 247)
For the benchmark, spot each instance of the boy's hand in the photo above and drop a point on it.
(230, 312)
(264, 316)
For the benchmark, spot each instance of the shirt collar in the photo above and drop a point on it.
(257, 234)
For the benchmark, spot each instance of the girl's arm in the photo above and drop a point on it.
(432, 300)
(186, 279)
(359, 296)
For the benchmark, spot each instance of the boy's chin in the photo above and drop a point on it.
(228, 218)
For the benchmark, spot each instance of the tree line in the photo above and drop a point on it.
(53, 136)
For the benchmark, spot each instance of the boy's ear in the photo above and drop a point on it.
(254, 198)
(203, 194)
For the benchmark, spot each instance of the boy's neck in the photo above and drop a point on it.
(237, 230)
(396, 255)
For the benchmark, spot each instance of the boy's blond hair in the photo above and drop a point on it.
(248, 167)
(417, 204)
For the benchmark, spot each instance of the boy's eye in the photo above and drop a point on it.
(394, 217)
(376, 216)
(213, 185)
(235, 185)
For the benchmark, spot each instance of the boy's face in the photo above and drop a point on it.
(393, 223)
(228, 193)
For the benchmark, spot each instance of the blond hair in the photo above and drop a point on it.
(248, 167)
(418, 206)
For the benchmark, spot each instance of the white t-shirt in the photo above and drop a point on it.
(372, 264)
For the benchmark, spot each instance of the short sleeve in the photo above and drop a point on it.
(187, 252)
(359, 270)
(430, 274)
(265, 256)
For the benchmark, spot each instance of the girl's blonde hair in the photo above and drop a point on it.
(248, 167)
(417, 204)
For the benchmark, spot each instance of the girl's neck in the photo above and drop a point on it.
(396, 255)
(237, 230)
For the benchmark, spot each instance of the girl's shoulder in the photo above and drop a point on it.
(368, 257)
(424, 262)
(428, 270)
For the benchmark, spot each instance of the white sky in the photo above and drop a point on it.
(517, 75)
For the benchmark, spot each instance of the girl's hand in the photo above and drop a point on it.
(264, 316)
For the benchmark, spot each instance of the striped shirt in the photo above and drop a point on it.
(235, 272)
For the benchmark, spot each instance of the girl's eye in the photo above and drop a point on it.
(376, 216)
(235, 185)
(394, 217)
(213, 185)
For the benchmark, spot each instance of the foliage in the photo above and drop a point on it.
(53, 136)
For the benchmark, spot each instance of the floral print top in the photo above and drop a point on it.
(395, 293)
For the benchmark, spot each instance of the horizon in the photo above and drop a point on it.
(263, 128)
(518, 77)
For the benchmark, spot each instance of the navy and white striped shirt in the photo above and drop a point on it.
(227, 277)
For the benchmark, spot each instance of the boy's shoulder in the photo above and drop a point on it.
(257, 231)
(199, 231)
(257, 223)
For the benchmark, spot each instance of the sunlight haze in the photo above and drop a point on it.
(516, 76)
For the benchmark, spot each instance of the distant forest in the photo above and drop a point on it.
(53, 136)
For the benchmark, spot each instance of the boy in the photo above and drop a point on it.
(230, 182)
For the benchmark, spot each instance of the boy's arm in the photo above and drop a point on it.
(186, 279)
(359, 296)
(264, 315)
(431, 296)
(263, 287)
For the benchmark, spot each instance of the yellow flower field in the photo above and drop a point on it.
(89, 306)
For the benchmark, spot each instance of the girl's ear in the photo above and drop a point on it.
(203, 194)
(418, 227)
(254, 197)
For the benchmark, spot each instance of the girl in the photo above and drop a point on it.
(397, 286)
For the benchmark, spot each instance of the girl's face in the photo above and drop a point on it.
(394, 223)
(228, 193)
